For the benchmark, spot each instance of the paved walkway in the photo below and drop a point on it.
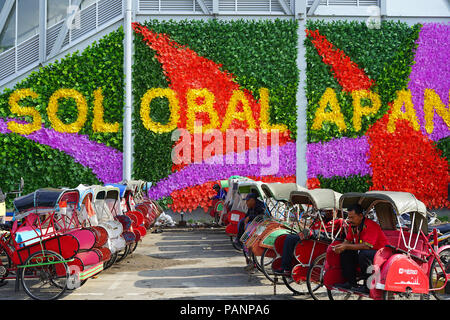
(199, 264)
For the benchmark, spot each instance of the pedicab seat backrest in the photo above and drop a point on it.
(394, 238)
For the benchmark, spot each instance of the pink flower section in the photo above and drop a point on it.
(105, 162)
(432, 71)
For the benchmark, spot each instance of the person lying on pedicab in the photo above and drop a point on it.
(292, 239)
(221, 193)
(364, 239)
(255, 208)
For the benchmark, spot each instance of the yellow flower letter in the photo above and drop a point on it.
(264, 113)
(336, 116)
(14, 99)
(359, 111)
(433, 101)
(207, 106)
(403, 98)
(99, 125)
(52, 109)
(148, 123)
(231, 113)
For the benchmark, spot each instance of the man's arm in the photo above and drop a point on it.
(346, 245)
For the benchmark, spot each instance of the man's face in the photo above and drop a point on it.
(354, 219)
(251, 203)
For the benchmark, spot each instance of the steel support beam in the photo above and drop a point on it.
(64, 29)
(202, 5)
(4, 14)
(285, 7)
(42, 31)
(313, 7)
(301, 141)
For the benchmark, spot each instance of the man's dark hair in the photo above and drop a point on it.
(216, 187)
(357, 208)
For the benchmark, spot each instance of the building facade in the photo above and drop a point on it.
(344, 94)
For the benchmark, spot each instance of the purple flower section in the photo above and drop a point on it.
(431, 71)
(105, 162)
(266, 161)
(339, 157)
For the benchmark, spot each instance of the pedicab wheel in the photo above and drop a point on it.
(437, 276)
(123, 253)
(232, 238)
(5, 265)
(299, 288)
(111, 261)
(314, 278)
(133, 247)
(44, 275)
(255, 261)
(266, 264)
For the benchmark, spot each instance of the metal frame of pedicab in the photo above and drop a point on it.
(237, 206)
(149, 209)
(106, 202)
(120, 213)
(136, 217)
(406, 265)
(312, 249)
(276, 197)
(49, 252)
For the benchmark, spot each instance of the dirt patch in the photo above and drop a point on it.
(139, 262)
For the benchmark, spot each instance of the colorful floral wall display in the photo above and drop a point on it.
(393, 151)
(217, 81)
(431, 71)
(62, 125)
(377, 108)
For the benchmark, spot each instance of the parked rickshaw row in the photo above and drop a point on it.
(59, 238)
(302, 234)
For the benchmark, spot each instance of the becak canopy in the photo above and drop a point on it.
(41, 198)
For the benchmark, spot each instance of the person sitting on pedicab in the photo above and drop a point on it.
(221, 193)
(255, 208)
(364, 239)
(292, 239)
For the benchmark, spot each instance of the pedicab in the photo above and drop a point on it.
(136, 216)
(33, 252)
(100, 215)
(75, 215)
(218, 208)
(150, 209)
(316, 234)
(239, 188)
(135, 187)
(409, 266)
(276, 196)
(127, 208)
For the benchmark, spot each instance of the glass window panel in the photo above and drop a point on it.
(8, 35)
(2, 2)
(56, 11)
(28, 19)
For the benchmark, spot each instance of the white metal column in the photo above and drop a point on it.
(301, 143)
(127, 118)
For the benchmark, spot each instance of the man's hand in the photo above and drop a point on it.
(246, 220)
(340, 248)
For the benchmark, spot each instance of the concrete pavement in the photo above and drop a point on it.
(197, 264)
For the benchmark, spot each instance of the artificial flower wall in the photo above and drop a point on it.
(61, 126)
(377, 111)
(377, 106)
